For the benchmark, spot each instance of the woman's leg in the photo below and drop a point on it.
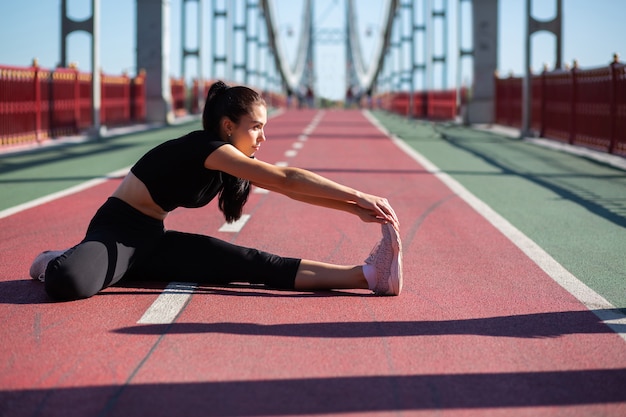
(116, 235)
(204, 259)
(382, 272)
(314, 275)
(181, 256)
(87, 268)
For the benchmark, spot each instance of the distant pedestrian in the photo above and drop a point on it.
(127, 240)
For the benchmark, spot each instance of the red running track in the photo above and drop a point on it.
(479, 330)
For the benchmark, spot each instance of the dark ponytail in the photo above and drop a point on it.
(232, 102)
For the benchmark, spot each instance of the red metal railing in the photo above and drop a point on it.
(583, 107)
(37, 103)
(508, 109)
(179, 96)
(21, 104)
(138, 97)
(432, 105)
(195, 94)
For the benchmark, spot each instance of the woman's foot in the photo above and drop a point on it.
(38, 268)
(383, 269)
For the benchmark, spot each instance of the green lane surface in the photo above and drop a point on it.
(31, 174)
(573, 207)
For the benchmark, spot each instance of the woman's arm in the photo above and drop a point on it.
(300, 184)
(347, 206)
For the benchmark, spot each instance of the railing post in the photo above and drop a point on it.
(126, 98)
(613, 104)
(574, 103)
(514, 95)
(542, 122)
(37, 98)
(77, 112)
(103, 106)
(52, 108)
(507, 86)
(509, 92)
(497, 102)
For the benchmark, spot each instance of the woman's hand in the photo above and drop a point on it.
(371, 208)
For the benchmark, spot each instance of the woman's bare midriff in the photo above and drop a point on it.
(135, 193)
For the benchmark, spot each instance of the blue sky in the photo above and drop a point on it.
(593, 31)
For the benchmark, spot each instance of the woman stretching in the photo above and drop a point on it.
(126, 238)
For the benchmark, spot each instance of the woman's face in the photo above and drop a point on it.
(248, 135)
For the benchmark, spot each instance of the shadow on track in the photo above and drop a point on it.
(539, 325)
(329, 395)
(29, 291)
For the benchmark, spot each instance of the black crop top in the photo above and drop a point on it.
(174, 171)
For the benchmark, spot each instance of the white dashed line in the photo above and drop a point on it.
(291, 153)
(168, 304)
(235, 226)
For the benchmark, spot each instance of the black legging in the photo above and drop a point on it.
(123, 243)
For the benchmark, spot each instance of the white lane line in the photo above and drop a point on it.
(235, 226)
(316, 120)
(63, 193)
(297, 145)
(600, 306)
(303, 138)
(291, 153)
(168, 304)
(281, 164)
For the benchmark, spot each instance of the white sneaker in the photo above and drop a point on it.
(386, 258)
(38, 268)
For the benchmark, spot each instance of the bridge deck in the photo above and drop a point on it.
(480, 329)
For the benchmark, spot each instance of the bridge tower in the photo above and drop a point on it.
(193, 52)
(485, 57)
(90, 25)
(533, 25)
(352, 78)
(153, 55)
(307, 83)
